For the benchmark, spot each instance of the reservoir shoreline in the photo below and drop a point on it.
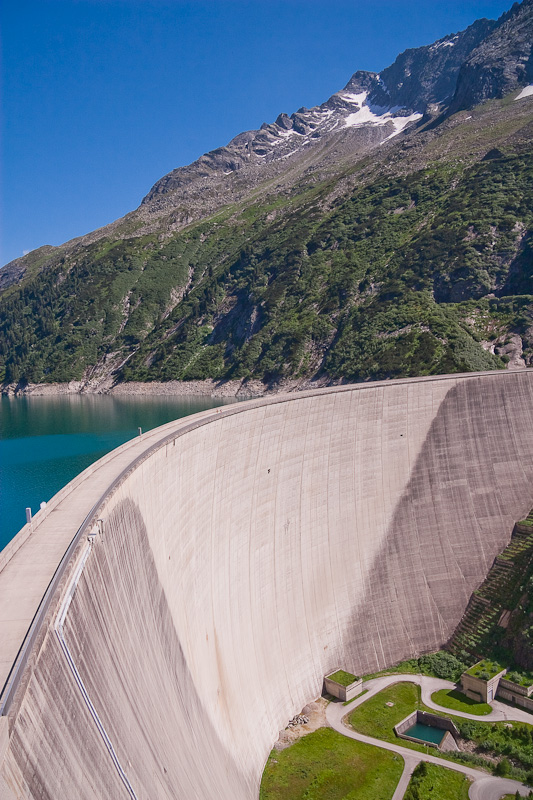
(242, 389)
(203, 388)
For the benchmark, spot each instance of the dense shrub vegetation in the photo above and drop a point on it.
(513, 741)
(439, 665)
(404, 276)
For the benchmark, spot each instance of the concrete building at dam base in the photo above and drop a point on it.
(167, 613)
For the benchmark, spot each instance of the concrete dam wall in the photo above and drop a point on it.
(244, 555)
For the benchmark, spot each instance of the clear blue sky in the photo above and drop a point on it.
(103, 97)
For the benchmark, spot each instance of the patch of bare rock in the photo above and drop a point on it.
(206, 388)
(311, 718)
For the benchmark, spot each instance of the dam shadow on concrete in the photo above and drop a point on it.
(472, 480)
(125, 647)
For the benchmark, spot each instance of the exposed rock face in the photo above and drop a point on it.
(12, 273)
(486, 60)
(15, 271)
(502, 62)
(428, 75)
(330, 197)
(351, 108)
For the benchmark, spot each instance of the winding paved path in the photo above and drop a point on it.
(484, 787)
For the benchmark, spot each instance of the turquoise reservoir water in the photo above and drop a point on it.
(425, 733)
(47, 441)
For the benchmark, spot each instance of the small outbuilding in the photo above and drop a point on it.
(343, 685)
(517, 689)
(481, 681)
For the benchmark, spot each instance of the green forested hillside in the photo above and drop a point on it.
(411, 271)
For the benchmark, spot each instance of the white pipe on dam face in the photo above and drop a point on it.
(244, 559)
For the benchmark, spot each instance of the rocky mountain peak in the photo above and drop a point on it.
(461, 69)
(362, 81)
(428, 75)
(414, 259)
(274, 143)
(503, 61)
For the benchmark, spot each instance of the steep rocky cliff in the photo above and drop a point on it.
(502, 61)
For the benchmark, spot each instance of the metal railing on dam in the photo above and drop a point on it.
(245, 552)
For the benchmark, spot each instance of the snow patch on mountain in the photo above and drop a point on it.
(352, 98)
(282, 136)
(448, 42)
(368, 114)
(527, 91)
(400, 123)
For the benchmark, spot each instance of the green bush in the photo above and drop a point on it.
(442, 665)
(502, 768)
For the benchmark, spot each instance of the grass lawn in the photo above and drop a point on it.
(342, 678)
(325, 765)
(511, 796)
(485, 669)
(458, 701)
(347, 703)
(375, 718)
(438, 783)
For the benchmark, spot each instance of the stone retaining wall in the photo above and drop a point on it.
(517, 699)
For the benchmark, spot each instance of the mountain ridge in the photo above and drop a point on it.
(391, 108)
(399, 96)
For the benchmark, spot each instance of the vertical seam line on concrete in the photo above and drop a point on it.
(511, 418)
(380, 401)
(251, 580)
(331, 575)
(394, 587)
(359, 561)
(465, 472)
(58, 627)
(280, 440)
(304, 601)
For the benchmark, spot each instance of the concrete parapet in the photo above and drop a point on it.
(4, 737)
(247, 552)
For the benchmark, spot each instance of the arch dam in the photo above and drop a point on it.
(173, 606)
